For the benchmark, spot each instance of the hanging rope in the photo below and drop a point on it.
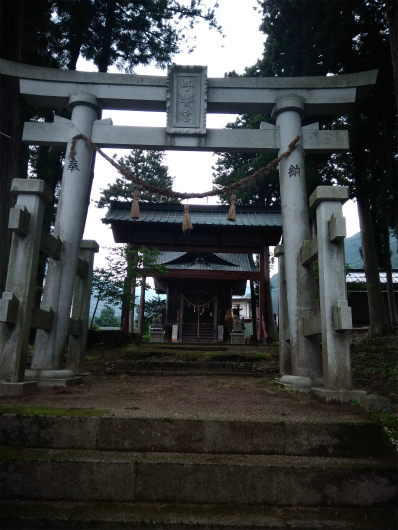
(171, 193)
(186, 223)
(135, 207)
(231, 216)
(198, 306)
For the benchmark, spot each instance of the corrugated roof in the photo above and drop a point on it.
(358, 275)
(200, 214)
(222, 261)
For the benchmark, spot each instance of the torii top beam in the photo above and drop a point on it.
(234, 95)
(331, 95)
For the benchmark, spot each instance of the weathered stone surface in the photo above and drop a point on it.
(337, 396)
(309, 251)
(328, 193)
(21, 388)
(18, 221)
(375, 404)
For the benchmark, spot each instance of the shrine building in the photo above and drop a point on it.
(206, 266)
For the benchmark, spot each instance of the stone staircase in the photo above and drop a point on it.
(135, 473)
(190, 332)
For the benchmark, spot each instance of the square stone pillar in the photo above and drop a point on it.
(285, 360)
(335, 314)
(81, 308)
(16, 305)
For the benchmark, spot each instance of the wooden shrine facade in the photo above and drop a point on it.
(206, 266)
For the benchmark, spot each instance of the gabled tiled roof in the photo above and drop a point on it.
(200, 214)
(220, 261)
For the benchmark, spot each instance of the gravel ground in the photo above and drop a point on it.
(193, 396)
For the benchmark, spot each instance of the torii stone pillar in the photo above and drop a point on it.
(300, 289)
(50, 345)
(16, 304)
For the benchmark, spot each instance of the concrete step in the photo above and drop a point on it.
(137, 516)
(271, 480)
(321, 439)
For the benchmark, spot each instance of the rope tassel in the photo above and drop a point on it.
(135, 207)
(186, 223)
(232, 209)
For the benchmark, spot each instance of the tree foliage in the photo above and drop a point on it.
(125, 266)
(107, 318)
(147, 165)
(121, 33)
(55, 33)
(153, 308)
(302, 39)
(231, 167)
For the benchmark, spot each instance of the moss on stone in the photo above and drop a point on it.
(51, 411)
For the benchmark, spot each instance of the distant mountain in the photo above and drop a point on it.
(352, 257)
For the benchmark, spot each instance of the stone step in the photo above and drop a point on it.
(321, 439)
(271, 480)
(198, 367)
(137, 516)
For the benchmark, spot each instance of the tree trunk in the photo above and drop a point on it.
(392, 309)
(12, 151)
(131, 310)
(104, 55)
(392, 18)
(379, 323)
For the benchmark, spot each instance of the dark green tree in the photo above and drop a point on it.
(107, 318)
(147, 165)
(302, 40)
(153, 308)
(54, 34)
(124, 268)
(123, 33)
(150, 167)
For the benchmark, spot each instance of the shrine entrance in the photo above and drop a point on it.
(207, 266)
(187, 95)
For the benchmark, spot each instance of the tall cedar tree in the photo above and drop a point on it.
(302, 40)
(231, 167)
(54, 34)
(148, 166)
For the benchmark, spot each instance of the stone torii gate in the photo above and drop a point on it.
(187, 95)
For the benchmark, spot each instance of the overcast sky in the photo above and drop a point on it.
(241, 46)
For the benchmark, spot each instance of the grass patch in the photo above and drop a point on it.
(52, 411)
(389, 422)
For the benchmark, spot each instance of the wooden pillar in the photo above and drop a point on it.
(167, 304)
(262, 333)
(181, 323)
(141, 309)
(215, 318)
(131, 309)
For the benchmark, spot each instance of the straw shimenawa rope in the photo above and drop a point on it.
(170, 192)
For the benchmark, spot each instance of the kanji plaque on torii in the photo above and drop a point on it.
(186, 100)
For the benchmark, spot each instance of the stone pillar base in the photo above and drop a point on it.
(338, 396)
(156, 336)
(237, 338)
(296, 382)
(61, 382)
(18, 389)
(53, 377)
